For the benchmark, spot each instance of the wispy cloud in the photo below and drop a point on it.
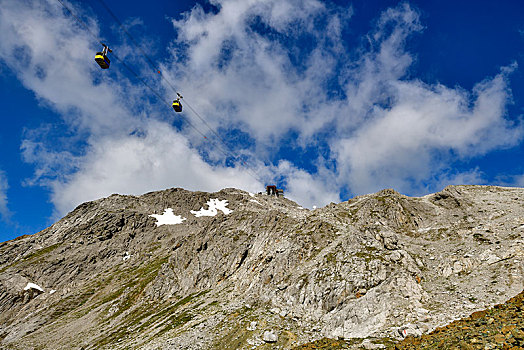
(380, 127)
(267, 75)
(423, 130)
(158, 159)
(5, 213)
(265, 83)
(108, 143)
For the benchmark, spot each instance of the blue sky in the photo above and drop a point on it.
(328, 99)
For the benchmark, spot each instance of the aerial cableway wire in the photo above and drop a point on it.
(159, 96)
(155, 68)
(228, 153)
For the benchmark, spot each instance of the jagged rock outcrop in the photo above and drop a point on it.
(225, 270)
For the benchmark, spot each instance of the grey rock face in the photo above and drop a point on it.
(379, 265)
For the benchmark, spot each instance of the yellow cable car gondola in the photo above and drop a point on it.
(101, 57)
(177, 105)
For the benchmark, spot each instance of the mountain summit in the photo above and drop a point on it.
(176, 269)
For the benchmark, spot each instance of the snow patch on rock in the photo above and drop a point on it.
(33, 286)
(168, 218)
(214, 205)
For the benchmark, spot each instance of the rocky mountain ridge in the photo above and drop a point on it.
(236, 270)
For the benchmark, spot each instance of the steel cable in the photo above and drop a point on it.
(227, 153)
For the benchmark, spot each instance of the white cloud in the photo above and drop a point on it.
(472, 177)
(100, 114)
(426, 126)
(158, 159)
(379, 128)
(242, 77)
(308, 189)
(53, 57)
(387, 131)
(407, 131)
(5, 213)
